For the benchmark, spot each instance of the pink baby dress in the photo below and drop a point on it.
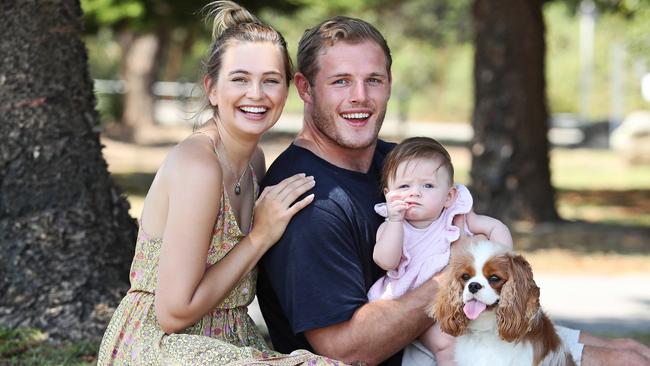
(425, 251)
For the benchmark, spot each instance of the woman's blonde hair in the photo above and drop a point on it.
(231, 23)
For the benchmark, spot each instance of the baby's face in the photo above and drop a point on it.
(424, 184)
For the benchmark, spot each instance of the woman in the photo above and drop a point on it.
(193, 273)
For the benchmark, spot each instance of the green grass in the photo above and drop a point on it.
(25, 346)
(591, 169)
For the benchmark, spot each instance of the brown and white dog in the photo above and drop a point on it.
(489, 301)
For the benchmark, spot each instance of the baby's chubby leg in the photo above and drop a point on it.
(440, 344)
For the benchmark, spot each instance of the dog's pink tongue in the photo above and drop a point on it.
(473, 309)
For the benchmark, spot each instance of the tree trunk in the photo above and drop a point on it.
(140, 64)
(510, 163)
(66, 238)
(138, 75)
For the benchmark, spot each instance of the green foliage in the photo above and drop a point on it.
(431, 43)
(563, 59)
(109, 12)
(638, 31)
(441, 23)
(625, 8)
(331, 7)
(152, 14)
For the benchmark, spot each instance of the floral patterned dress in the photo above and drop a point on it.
(226, 335)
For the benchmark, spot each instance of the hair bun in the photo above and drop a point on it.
(227, 14)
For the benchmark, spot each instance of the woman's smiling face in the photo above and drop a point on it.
(251, 89)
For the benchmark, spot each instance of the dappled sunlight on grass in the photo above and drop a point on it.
(601, 263)
(596, 169)
(604, 214)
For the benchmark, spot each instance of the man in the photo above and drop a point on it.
(313, 283)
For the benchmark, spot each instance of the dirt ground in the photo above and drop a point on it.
(578, 247)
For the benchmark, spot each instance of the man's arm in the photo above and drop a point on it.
(380, 328)
(377, 329)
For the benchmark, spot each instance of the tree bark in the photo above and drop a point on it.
(510, 151)
(66, 238)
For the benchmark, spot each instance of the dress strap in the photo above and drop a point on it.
(214, 144)
(214, 147)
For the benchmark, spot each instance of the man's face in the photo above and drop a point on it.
(350, 93)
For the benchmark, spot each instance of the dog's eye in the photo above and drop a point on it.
(494, 278)
(465, 277)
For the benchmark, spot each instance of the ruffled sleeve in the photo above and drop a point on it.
(381, 209)
(461, 206)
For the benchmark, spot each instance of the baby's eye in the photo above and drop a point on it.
(465, 277)
(428, 185)
(494, 278)
(403, 186)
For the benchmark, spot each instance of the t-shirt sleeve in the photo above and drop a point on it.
(315, 270)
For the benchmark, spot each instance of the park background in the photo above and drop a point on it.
(594, 229)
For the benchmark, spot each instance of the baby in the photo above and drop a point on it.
(415, 241)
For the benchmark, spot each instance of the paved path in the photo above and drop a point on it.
(616, 305)
(604, 305)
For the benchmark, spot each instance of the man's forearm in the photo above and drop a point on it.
(378, 329)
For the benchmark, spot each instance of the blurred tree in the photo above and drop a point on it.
(510, 170)
(149, 30)
(66, 237)
(510, 164)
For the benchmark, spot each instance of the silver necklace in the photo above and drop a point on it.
(232, 171)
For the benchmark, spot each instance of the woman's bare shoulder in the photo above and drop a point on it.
(192, 158)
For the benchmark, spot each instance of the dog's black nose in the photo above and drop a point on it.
(474, 287)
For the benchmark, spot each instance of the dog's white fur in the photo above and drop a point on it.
(513, 329)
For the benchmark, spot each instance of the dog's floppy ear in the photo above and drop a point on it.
(447, 308)
(519, 301)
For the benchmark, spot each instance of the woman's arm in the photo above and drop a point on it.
(186, 290)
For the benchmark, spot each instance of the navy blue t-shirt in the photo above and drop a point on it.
(320, 271)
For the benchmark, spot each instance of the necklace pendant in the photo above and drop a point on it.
(237, 189)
